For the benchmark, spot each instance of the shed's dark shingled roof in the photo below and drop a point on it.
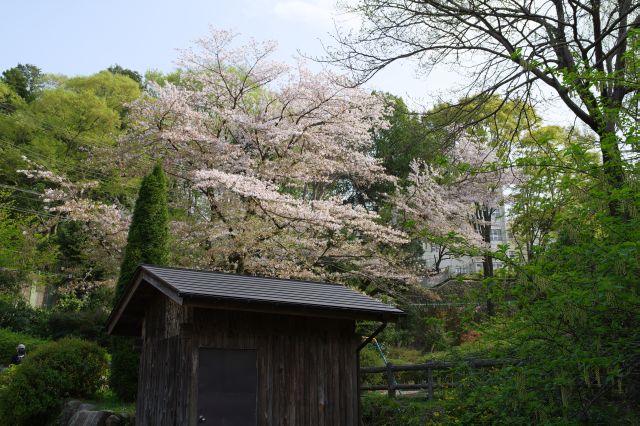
(249, 288)
(187, 286)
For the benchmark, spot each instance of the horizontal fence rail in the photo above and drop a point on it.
(429, 382)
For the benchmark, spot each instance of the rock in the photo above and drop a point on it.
(113, 420)
(69, 409)
(85, 406)
(89, 418)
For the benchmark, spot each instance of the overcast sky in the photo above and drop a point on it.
(79, 37)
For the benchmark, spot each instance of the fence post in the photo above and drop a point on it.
(391, 388)
(430, 382)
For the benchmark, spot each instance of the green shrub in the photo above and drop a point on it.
(369, 357)
(86, 324)
(124, 368)
(17, 315)
(379, 410)
(33, 392)
(9, 340)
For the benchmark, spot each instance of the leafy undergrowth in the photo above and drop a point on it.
(106, 400)
(9, 340)
(33, 392)
(407, 410)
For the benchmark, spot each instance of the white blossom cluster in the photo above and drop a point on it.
(274, 150)
(447, 199)
(68, 200)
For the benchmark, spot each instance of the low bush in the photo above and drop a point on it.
(33, 392)
(10, 339)
(124, 368)
(87, 324)
(380, 410)
(17, 315)
(369, 357)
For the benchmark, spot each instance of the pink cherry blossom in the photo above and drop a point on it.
(271, 152)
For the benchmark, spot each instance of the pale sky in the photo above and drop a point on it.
(80, 37)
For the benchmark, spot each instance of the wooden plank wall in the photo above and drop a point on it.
(307, 367)
(165, 372)
(307, 371)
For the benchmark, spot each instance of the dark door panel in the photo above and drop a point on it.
(227, 387)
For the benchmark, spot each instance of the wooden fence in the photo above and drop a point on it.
(428, 383)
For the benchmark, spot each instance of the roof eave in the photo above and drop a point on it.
(247, 305)
(141, 275)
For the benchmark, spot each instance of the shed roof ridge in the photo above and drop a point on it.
(379, 307)
(235, 274)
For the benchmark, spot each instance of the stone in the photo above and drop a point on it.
(69, 409)
(85, 406)
(113, 420)
(89, 418)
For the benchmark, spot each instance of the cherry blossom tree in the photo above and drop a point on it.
(267, 155)
(455, 203)
(105, 224)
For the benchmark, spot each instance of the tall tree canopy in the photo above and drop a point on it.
(268, 155)
(25, 79)
(148, 238)
(583, 51)
(147, 242)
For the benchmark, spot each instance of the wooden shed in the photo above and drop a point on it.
(225, 349)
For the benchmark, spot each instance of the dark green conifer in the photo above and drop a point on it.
(147, 242)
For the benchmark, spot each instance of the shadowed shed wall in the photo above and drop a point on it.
(307, 366)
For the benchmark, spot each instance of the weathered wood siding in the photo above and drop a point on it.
(166, 369)
(307, 367)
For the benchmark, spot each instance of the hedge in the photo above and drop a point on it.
(9, 340)
(33, 392)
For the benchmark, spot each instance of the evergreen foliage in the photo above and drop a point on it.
(147, 242)
(148, 239)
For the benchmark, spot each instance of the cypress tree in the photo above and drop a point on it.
(147, 242)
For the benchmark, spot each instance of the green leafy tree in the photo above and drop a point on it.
(554, 162)
(115, 88)
(582, 51)
(9, 100)
(25, 80)
(70, 129)
(161, 79)
(408, 137)
(147, 242)
(133, 75)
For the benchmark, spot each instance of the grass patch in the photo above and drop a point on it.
(107, 400)
(407, 410)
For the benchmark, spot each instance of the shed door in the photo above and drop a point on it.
(227, 387)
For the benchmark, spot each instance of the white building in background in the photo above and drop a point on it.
(452, 266)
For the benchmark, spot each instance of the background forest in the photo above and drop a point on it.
(282, 171)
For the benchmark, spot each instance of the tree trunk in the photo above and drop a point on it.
(487, 269)
(484, 213)
(437, 260)
(613, 170)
